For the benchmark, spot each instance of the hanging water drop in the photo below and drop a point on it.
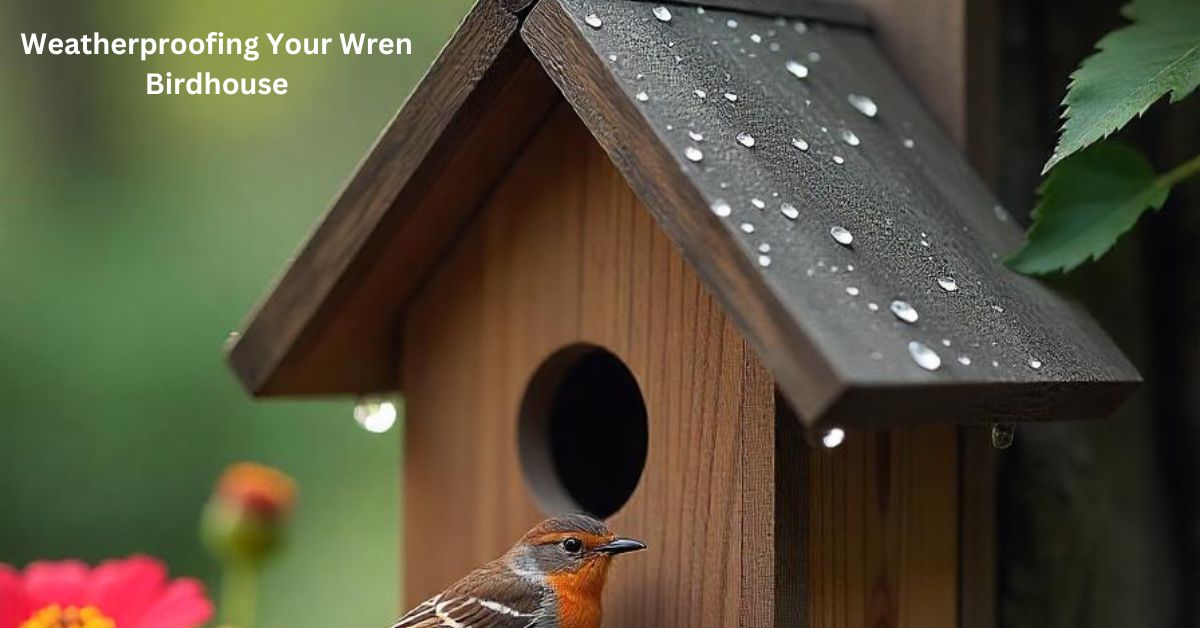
(797, 69)
(789, 211)
(863, 104)
(593, 20)
(745, 139)
(721, 208)
(375, 415)
(841, 235)
(904, 311)
(850, 138)
(833, 438)
(948, 284)
(925, 357)
(662, 13)
(1003, 435)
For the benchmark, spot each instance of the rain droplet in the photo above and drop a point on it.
(758, 203)
(925, 357)
(1003, 435)
(662, 13)
(643, 96)
(764, 261)
(1001, 213)
(731, 97)
(998, 309)
(908, 143)
(833, 438)
(797, 69)
(789, 211)
(764, 248)
(945, 342)
(863, 104)
(747, 227)
(697, 137)
(1035, 363)
(721, 208)
(612, 58)
(731, 23)
(964, 360)
(700, 93)
(593, 20)
(904, 311)
(800, 27)
(745, 139)
(874, 307)
(799, 143)
(774, 46)
(948, 284)
(839, 160)
(852, 291)
(850, 138)
(756, 38)
(814, 56)
(693, 154)
(841, 235)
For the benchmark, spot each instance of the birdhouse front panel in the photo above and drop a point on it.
(564, 284)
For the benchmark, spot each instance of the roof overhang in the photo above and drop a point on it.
(1010, 349)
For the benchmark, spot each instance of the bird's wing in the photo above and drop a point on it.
(485, 599)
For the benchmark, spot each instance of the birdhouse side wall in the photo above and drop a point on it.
(564, 253)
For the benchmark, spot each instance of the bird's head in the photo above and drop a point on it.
(571, 551)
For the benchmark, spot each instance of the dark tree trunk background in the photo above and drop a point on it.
(1100, 521)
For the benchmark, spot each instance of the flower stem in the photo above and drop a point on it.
(1179, 173)
(239, 594)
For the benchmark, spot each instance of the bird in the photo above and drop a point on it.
(552, 578)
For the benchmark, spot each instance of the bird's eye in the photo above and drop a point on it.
(572, 545)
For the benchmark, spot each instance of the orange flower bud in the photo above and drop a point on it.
(245, 517)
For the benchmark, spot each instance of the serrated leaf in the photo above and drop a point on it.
(1086, 204)
(1136, 65)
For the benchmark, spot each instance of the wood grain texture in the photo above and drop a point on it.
(564, 252)
(878, 530)
(836, 360)
(327, 325)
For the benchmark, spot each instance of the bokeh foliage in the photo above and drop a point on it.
(135, 232)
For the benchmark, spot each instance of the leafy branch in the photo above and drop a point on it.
(1096, 190)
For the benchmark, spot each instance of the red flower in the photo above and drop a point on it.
(127, 593)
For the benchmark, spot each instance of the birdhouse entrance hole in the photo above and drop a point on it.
(583, 432)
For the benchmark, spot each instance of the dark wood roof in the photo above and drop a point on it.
(818, 311)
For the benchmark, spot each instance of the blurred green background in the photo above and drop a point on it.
(135, 233)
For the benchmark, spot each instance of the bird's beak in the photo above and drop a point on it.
(620, 546)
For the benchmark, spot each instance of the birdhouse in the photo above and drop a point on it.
(713, 272)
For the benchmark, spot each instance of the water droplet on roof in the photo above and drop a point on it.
(839, 160)
(904, 311)
(721, 208)
(698, 137)
(731, 23)
(948, 284)
(863, 104)
(593, 20)
(745, 139)
(662, 13)
(789, 211)
(814, 57)
(764, 261)
(643, 96)
(797, 69)
(964, 360)
(731, 97)
(852, 291)
(800, 27)
(758, 203)
(850, 138)
(1035, 363)
(1001, 213)
(841, 235)
(747, 227)
(756, 38)
(764, 248)
(874, 307)
(925, 357)
(799, 143)
(908, 143)
(693, 154)
(700, 93)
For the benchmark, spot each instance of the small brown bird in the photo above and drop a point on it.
(552, 578)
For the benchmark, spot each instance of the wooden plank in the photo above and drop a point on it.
(918, 211)
(564, 252)
(452, 140)
(880, 526)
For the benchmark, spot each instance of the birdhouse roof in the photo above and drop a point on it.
(837, 224)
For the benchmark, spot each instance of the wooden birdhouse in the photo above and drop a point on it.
(656, 262)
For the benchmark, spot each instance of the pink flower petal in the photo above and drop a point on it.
(124, 589)
(59, 583)
(183, 605)
(14, 606)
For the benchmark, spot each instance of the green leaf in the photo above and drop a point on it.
(1086, 204)
(1136, 65)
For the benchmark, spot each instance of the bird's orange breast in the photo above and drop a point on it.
(579, 594)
